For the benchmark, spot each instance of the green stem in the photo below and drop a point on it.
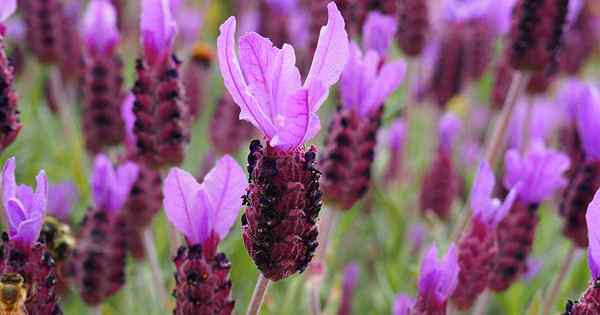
(258, 296)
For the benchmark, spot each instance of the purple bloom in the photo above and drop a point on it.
(110, 186)
(402, 304)
(364, 85)
(25, 208)
(7, 8)
(158, 29)
(438, 279)
(545, 117)
(348, 286)
(266, 84)
(460, 10)
(588, 116)
(593, 224)
(199, 210)
(100, 30)
(417, 233)
(61, 198)
(396, 134)
(570, 95)
(15, 29)
(532, 268)
(540, 170)
(378, 32)
(485, 208)
(449, 127)
(129, 119)
(575, 7)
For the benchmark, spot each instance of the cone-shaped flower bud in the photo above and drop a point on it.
(97, 264)
(586, 179)
(196, 77)
(227, 133)
(204, 213)
(536, 33)
(283, 199)
(43, 20)
(352, 134)
(437, 282)
(589, 302)
(396, 141)
(402, 304)
(102, 79)
(20, 253)
(540, 172)
(477, 248)
(162, 122)
(9, 114)
(413, 26)
(349, 283)
(439, 187)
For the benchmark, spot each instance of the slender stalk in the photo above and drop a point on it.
(96, 310)
(526, 137)
(555, 289)
(258, 296)
(157, 278)
(482, 303)
(314, 301)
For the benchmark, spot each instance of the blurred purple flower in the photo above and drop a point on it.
(349, 283)
(266, 84)
(24, 207)
(532, 268)
(157, 29)
(396, 140)
(545, 118)
(417, 233)
(110, 186)
(569, 96)
(449, 127)
(199, 210)
(437, 280)
(402, 304)
(61, 199)
(540, 170)
(100, 30)
(486, 209)
(15, 29)
(593, 224)
(588, 126)
(128, 117)
(378, 33)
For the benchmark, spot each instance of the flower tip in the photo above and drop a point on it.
(100, 26)
(158, 29)
(7, 8)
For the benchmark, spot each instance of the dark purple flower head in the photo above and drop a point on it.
(157, 29)
(110, 186)
(593, 224)
(100, 30)
(448, 128)
(61, 198)
(378, 33)
(25, 208)
(266, 84)
(540, 170)
(588, 116)
(199, 210)
(402, 304)
(438, 279)
(486, 209)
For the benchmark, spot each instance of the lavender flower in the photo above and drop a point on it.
(204, 213)
(349, 283)
(396, 140)
(196, 75)
(9, 113)
(402, 304)
(437, 282)
(283, 198)
(378, 33)
(540, 172)
(545, 117)
(581, 37)
(97, 266)
(61, 198)
(413, 26)
(21, 254)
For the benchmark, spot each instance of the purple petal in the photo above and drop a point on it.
(439, 279)
(460, 10)
(387, 81)
(593, 224)
(396, 135)
(61, 198)
(129, 120)
(7, 8)
(351, 89)
(27, 230)
(532, 268)
(235, 82)
(402, 304)
(350, 277)
(449, 128)
(378, 32)
(16, 213)
(575, 7)
(332, 50)
(428, 273)
(39, 202)
(206, 218)
(449, 270)
(225, 185)
(158, 29)
(100, 26)
(481, 192)
(125, 176)
(588, 126)
(103, 179)
(180, 190)
(15, 29)
(285, 79)
(570, 96)
(501, 211)
(9, 184)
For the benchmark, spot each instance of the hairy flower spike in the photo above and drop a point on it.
(43, 20)
(10, 124)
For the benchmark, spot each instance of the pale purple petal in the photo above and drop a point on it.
(15, 29)
(225, 185)
(157, 29)
(100, 26)
(449, 270)
(499, 16)
(206, 218)
(570, 96)
(285, 79)
(592, 218)
(545, 117)
(28, 229)
(460, 10)
(428, 274)
(388, 79)
(9, 184)
(350, 276)
(332, 50)
(180, 190)
(501, 211)
(402, 304)
(25, 196)
(449, 127)
(7, 8)
(15, 213)
(39, 202)
(417, 233)
(129, 120)
(483, 187)
(350, 81)
(61, 198)
(396, 135)
(575, 7)
(190, 22)
(588, 123)
(125, 176)
(235, 82)
(532, 268)
(103, 179)
(378, 32)
(438, 279)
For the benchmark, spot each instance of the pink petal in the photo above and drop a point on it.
(588, 116)
(285, 79)
(387, 81)
(206, 216)
(332, 50)
(350, 83)
(402, 304)
(61, 198)
(7, 8)
(180, 189)
(225, 185)
(103, 178)
(235, 82)
(593, 224)
(125, 176)
(378, 32)
(9, 184)
(158, 29)
(39, 203)
(100, 26)
(449, 127)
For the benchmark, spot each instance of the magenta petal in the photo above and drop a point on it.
(39, 202)
(388, 79)
(129, 119)
(16, 213)
(29, 230)
(459, 10)
(225, 185)
(25, 196)
(61, 199)
(378, 32)
(157, 28)
(402, 304)
(9, 184)
(285, 79)
(449, 127)
(125, 176)
(332, 50)
(205, 217)
(593, 224)
(588, 116)
(100, 26)
(180, 189)
(483, 187)
(439, 279)
(449, 274)
(7, 8)
(103, 178)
